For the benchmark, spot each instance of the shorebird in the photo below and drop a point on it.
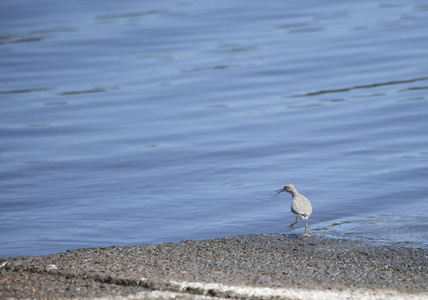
(300, 206)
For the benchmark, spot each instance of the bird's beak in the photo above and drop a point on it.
(279, 191)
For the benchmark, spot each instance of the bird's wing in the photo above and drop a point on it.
(301, 206)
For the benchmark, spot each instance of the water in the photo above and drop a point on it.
(126, 123)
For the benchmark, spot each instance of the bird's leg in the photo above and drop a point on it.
(292, 225)
(306, 228)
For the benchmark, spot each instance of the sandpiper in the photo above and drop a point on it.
(300, 206)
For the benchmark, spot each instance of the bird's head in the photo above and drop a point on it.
(289, 188)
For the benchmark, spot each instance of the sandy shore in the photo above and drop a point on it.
(253, 266)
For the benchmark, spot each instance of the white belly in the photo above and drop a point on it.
(303, 217)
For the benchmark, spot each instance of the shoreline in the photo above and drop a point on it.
(261, 266)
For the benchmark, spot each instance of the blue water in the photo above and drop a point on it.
(134, 122)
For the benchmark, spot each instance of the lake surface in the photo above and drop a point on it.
(135, 122)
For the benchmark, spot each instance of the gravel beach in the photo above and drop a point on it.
(267, 266)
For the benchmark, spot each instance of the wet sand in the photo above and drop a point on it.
(259, 266)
